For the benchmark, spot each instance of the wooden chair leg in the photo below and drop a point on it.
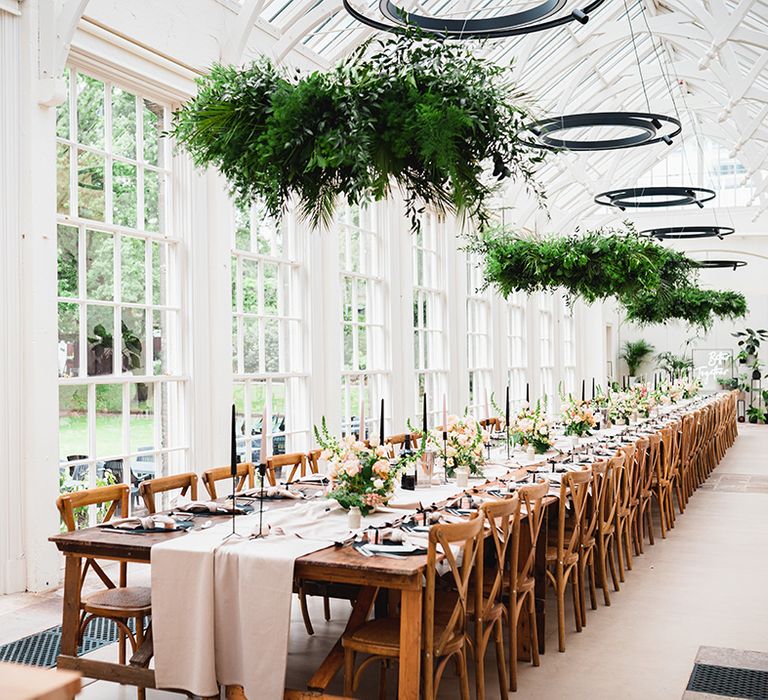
(592, 587)
(628, 543)
(383, 680)
(141, 693)
(532, 626)
(501, 661)
(305, 611)
(560, 591)
(464, 675)
(481, 644)
(326, 607)
(602, 573)
(349, 671)
(513, 621)
(577, 596)
(619, 537)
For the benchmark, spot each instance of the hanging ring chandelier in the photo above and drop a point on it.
(646, 197)
(685, 232)
(648, 128)
(534, 19)
(732, 264)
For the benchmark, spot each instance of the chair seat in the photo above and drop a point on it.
(569, 558)
(382, 637)
(119, 602)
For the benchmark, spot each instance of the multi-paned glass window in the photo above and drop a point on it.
(517, 351)
(365, 364)
(121, 384)
(568, 328)
(547, 349)
(479, 359)
(268, 336)
(430, 301)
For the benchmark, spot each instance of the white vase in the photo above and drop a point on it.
(530, 453)
(354, 518)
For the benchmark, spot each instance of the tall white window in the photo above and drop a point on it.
(268, 342)
(547, 349)
(430, 338)
(365, 366)
(568, 327)
(517, 350)
(121, 387)
(479, 358)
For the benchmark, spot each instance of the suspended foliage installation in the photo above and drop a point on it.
(698, 307)
(593, 265)
(422, 114)
(655, 284)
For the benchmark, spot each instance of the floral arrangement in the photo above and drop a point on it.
(644, 398)
(463, 446)
(622, 405)
(531, 428)
(362, 476)
(577, 418)
(691, 387)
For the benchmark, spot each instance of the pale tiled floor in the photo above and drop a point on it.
(705, 585)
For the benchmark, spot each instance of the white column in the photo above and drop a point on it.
(39, 371)
(12, 564)
(458, 377)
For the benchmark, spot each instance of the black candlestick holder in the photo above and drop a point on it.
(262, 476)
(234, 532)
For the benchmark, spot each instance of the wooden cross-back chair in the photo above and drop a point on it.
(503, 519)
(638, 476)
(522, 583)
(589, 534)
(624, 509)
(185, 482)
(662, 483)
(313, 458)
(607, 479)
(117, 602)
(244, 477)
(297, 461)
(684, 471)
(444, 637)
(644, 516)
(563, 554)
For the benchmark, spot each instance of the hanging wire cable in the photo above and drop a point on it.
(637, 55)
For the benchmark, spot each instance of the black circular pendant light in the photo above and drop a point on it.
(647, 128)
(647, 197)
(534, 19)
(685, 232)
(731, 264)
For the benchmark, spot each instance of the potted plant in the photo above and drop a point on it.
(749, 344)
(634, 353)
(673, 365)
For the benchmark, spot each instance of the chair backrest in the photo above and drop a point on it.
(574, 485)
(532, 501)
(611, 496)
(627, 476)
(494, 423)
(667, 458)
(469, 535)
(399, 439)
(313, 457)
(116, 496)
(638, 473)
(185, 482)
(651, 464)
(296, 460)
(244, 475)
(503, 519)
(596, 505)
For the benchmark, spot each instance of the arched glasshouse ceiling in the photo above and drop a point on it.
(701, 61)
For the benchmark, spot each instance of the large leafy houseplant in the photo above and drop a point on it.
(634, 352)
(592, 265)
(427, 116)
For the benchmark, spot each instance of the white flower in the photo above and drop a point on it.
(378, 484)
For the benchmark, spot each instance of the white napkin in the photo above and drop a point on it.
(271, 492)
(149, 522)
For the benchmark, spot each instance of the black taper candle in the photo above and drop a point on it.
(381, 424)
(424, 423)
(506, 407)
(583, 389)
(593, 388)
(233, 465)
(527, 392)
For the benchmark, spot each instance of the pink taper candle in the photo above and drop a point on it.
(445, 413)
(265, 451)
(361, 429)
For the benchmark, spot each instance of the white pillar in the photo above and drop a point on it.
(38, 287)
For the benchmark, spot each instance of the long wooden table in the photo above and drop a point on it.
(331, 564)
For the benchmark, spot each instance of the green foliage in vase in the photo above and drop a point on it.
(592, 265)
(424, 115)
(673, 364)
(698, 307)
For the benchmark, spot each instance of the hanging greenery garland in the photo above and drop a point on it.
(421, 114)
(593, 265)
(696, 306)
